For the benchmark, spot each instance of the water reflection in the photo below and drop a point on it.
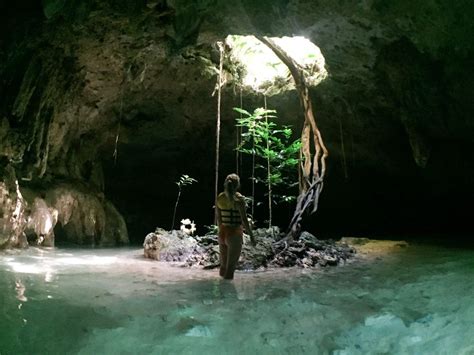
(122, 303)
(20, 291)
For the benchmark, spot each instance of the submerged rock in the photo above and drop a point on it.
(199, 331)
(271, 250)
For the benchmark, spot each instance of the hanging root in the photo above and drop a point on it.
(117, 135)
(311, 171)
(219, 85)
(305, 200)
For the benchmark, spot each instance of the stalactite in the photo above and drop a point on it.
(43, 150)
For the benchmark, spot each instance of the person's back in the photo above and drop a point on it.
(230, 206)
(230, 213)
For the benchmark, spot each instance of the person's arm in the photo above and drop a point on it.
(245, 221)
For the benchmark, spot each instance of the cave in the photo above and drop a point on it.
(106, 106)
(127, 118)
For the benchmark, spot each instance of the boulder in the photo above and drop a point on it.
(169, 246)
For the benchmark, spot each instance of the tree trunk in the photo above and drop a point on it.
(311, 172)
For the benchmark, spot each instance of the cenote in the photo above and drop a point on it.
(349, 124)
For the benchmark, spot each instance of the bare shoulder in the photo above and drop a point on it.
(221, 198)
(240, 198)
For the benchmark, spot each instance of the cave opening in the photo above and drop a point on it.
(142, 180)
(256, 68)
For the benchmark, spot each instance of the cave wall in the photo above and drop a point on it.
(112, 101)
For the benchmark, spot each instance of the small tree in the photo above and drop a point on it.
(277, 155)
(183, 181)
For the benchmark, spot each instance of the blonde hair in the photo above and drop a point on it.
(231, 185)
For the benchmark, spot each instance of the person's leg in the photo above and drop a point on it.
(223, 251)
(234, 245)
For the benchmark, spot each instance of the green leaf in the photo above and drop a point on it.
(242, 111)
(185, 180)
(270, 144)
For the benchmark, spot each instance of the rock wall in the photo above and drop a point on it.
(69, 213)
(12, 210)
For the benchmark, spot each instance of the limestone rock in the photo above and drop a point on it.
(115, 232)
(73, 214)
(41, 222)
(12, 211)
(86, 218)
(271, 250)
(169, 246)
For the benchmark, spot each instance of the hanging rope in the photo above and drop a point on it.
(117, 135)
(269, 181)
(240, 132)
(125, 77)
(238, 140)
(253, 175)
(344, 161)
(218, 123)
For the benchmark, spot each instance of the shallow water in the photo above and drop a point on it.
(395, 300)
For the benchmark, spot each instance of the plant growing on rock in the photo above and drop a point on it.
(272, 152)
(184, 180)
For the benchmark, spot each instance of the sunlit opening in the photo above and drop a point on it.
(259, 69)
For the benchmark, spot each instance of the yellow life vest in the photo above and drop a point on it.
(230, 215)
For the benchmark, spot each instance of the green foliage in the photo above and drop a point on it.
(272, 146)
(213, 229)
(184, 180)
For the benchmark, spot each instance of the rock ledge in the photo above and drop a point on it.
(271, 250)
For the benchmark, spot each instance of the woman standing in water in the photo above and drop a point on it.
(231, 216)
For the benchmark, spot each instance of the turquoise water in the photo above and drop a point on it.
(394, 300)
